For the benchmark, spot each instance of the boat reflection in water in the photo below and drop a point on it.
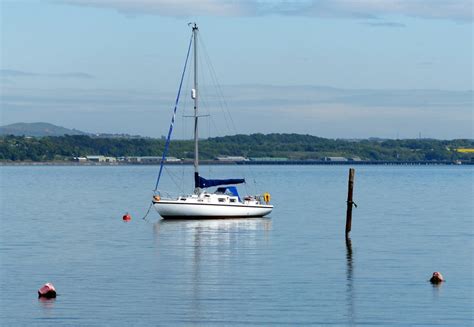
(216, 239)
(226, 223)
(202, 260)
(214, 231)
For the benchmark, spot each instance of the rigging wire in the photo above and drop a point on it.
(165, 150)
(173, 179)
(174, 116)
(222, 104)
(206, 101)
(185, 131)
(209, 136)
(219, 93)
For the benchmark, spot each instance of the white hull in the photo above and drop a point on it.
(177, 209)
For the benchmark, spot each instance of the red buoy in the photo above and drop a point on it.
(127, 217)
(437, 278)
(47, 291)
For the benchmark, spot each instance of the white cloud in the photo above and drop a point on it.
(322, 111)
(176, 8)
(439, 9)
(385, 24)
(11, 73)
(435, 9)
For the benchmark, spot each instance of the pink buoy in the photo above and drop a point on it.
(47, 291)
(127, 217)
(437, 278)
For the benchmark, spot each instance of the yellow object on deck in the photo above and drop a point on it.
(266, 197)
(466, 150)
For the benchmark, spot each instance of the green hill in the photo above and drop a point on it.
(38, 130)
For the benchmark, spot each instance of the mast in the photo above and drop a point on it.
(195, 97)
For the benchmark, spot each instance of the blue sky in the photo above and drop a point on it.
(340, 68)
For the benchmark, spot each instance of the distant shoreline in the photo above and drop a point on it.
(253, 163)
(254, 149)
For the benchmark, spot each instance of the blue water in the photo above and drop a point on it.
(63, 225)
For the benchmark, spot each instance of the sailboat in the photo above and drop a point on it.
(225, 201)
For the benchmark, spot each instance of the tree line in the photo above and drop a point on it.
(291, 146)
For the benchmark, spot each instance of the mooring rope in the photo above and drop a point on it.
(148, 211)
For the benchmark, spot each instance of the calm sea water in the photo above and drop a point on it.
(63, 225)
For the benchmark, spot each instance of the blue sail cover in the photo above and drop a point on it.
(230, 189)
(204, 183)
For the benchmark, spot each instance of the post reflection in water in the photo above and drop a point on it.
(350, 285)
(211, 250)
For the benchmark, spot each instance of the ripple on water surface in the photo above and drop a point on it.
(63, 225)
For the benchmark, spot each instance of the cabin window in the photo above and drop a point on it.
(221, 200)
(232, 200)
(183, 199)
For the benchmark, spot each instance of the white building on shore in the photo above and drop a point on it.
(101, 159)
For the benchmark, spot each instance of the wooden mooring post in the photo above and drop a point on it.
(350, 202)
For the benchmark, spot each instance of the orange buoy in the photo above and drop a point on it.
(127, 217)
(47, 291)
(437, 278)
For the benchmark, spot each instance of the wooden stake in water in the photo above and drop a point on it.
(349, 201)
